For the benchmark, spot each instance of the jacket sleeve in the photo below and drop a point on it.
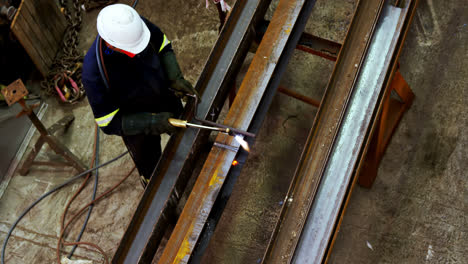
(106, 111)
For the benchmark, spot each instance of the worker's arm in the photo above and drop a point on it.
(106, 111)
(163, 47)
(147, 123)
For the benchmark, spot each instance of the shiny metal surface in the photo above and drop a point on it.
(322, 134)
(351, 137)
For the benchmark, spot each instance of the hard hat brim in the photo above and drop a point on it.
(143, 43)
(135, 49)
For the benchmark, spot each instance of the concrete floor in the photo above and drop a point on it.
(416, 211)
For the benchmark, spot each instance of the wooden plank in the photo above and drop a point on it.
(29, 47)
(44, 26)
(13, 23)
(54, 19)
(60, 22)
(35, 40)
(40, 32)
(40, 26)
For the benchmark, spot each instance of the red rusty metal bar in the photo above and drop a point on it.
(392, 112)
(318, 46)
(322, 135)
(299, 96)
(215, 169)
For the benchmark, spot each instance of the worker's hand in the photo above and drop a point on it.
(183, 87)
(147, 123)
(160, 124)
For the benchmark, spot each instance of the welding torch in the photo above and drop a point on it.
(209, 125)
(213, 127)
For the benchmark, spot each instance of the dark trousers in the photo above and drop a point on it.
(145, 151)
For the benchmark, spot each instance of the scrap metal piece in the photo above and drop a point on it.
(14, 92)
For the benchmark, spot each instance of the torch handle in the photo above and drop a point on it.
(178, 122)
(185, 124)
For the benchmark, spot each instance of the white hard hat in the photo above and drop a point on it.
(122, 27)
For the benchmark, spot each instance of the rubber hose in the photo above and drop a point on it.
(49, 193)
(96, 180)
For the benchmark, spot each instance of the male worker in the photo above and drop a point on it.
(141, 68)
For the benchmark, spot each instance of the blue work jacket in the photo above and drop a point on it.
(137, 84)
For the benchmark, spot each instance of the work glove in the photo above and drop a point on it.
(181, 86)
(147, 123)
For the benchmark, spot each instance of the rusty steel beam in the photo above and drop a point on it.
(153, 214)
(283, 32)
(323, 133)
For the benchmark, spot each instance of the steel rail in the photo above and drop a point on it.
(407, 14)
(250, 94)
(151, 218)
(323, 133)
(338, 176)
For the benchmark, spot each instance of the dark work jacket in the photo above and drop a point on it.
(137, 84)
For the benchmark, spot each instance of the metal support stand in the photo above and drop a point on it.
(398, 99)
(15, 93)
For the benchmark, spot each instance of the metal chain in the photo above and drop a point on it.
(89, 5)
(68, 60)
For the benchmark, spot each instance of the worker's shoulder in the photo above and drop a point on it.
(91, 53)
(89, 61)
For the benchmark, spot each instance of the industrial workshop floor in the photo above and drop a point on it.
(416, 212)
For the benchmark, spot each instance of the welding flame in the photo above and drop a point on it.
(242, 142)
